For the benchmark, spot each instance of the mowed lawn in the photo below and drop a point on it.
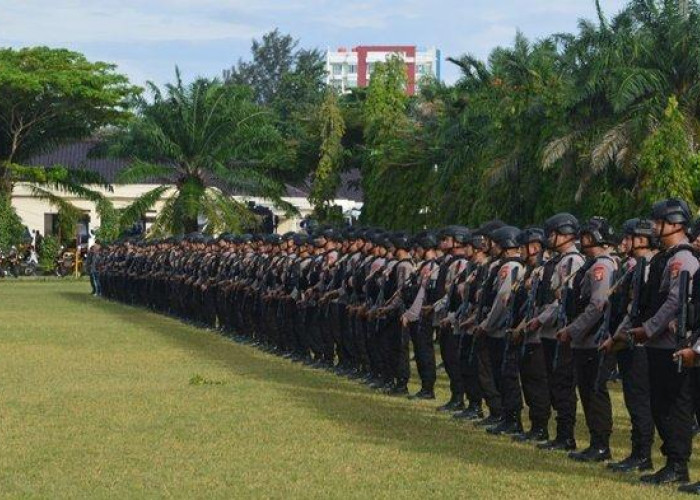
(96, 401)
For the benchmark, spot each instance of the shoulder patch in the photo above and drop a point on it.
(599, 272)
(503, 273)
(675, 268)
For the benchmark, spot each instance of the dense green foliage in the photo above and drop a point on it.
(50, 97)
(48, 252)
(11, 228)
(326, 178)
(603, 121)
(210, 140)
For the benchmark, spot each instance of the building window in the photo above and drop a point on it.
(424, 69)
(51, 227)
(352, 69)
(337, 69)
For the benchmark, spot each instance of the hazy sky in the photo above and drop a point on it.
(147, 38)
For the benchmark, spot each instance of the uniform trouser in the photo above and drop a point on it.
(634, 369)
(327, 342)
(561, 386)
(403, 367)
(336, 331)
(511, 391)
(533, 376)
(347, 342)
(94, 283)
(496, 347)
(301, 328)
(449, 351)
(695, 375)
(391, 341)
(360, 337)
(373, 353)
(469, 370)
(315, 337)
(387, 370)
(671, 404)
(424, 350)
(594, 396)
(487, 380)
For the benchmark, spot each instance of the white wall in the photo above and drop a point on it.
(32, 210)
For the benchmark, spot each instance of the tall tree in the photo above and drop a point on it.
(50, 97)
(326, 179)
(211, 140)
(291, 82)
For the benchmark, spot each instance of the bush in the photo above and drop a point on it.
(11, 228)
(49, 251)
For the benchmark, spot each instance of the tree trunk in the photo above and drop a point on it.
(190, 225)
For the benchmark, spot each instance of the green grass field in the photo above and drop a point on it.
(96, 401)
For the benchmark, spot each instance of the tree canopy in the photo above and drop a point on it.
(209, 139)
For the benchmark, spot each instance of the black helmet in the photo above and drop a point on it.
(289, 235)
(694, 230)
(273, 239)
(600, 229)
(426, 240)
(332, 234)
(402, 241)
(380, 239)
(563, 223)
(645, 227)
(479, 238)
(673, 210)
(301, 239)
(489, 227)
(532, 235)
(461, 234)
(506, 237)
(628, 226)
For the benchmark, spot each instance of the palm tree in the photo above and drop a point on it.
(623, 74)
(205, 141)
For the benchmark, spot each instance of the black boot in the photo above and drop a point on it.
(591, 454)
(506, 426)
(632, 463)
(673, 472)
(423, 394)
(489, 421)
(564, 444)
(455, 403)
(536, 435)
(473, 412)
(398, 389)
(693, 488)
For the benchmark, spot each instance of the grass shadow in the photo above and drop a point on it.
(393, 422)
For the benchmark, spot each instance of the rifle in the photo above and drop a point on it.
(530, 308)
(464, 307)
(511, 314)
(603, 334)
(638, 284)
(381, 300)
(562, 318)
(682, 318)
(479, 316)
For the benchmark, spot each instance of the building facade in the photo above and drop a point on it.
(348, 69)
(40, 215)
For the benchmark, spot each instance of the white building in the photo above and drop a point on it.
(348, 69)
(40, 215)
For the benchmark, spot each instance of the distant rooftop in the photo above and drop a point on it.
(76, 155)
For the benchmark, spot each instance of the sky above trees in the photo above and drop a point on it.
(147, 39)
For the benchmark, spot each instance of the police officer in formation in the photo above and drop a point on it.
(538, 317)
